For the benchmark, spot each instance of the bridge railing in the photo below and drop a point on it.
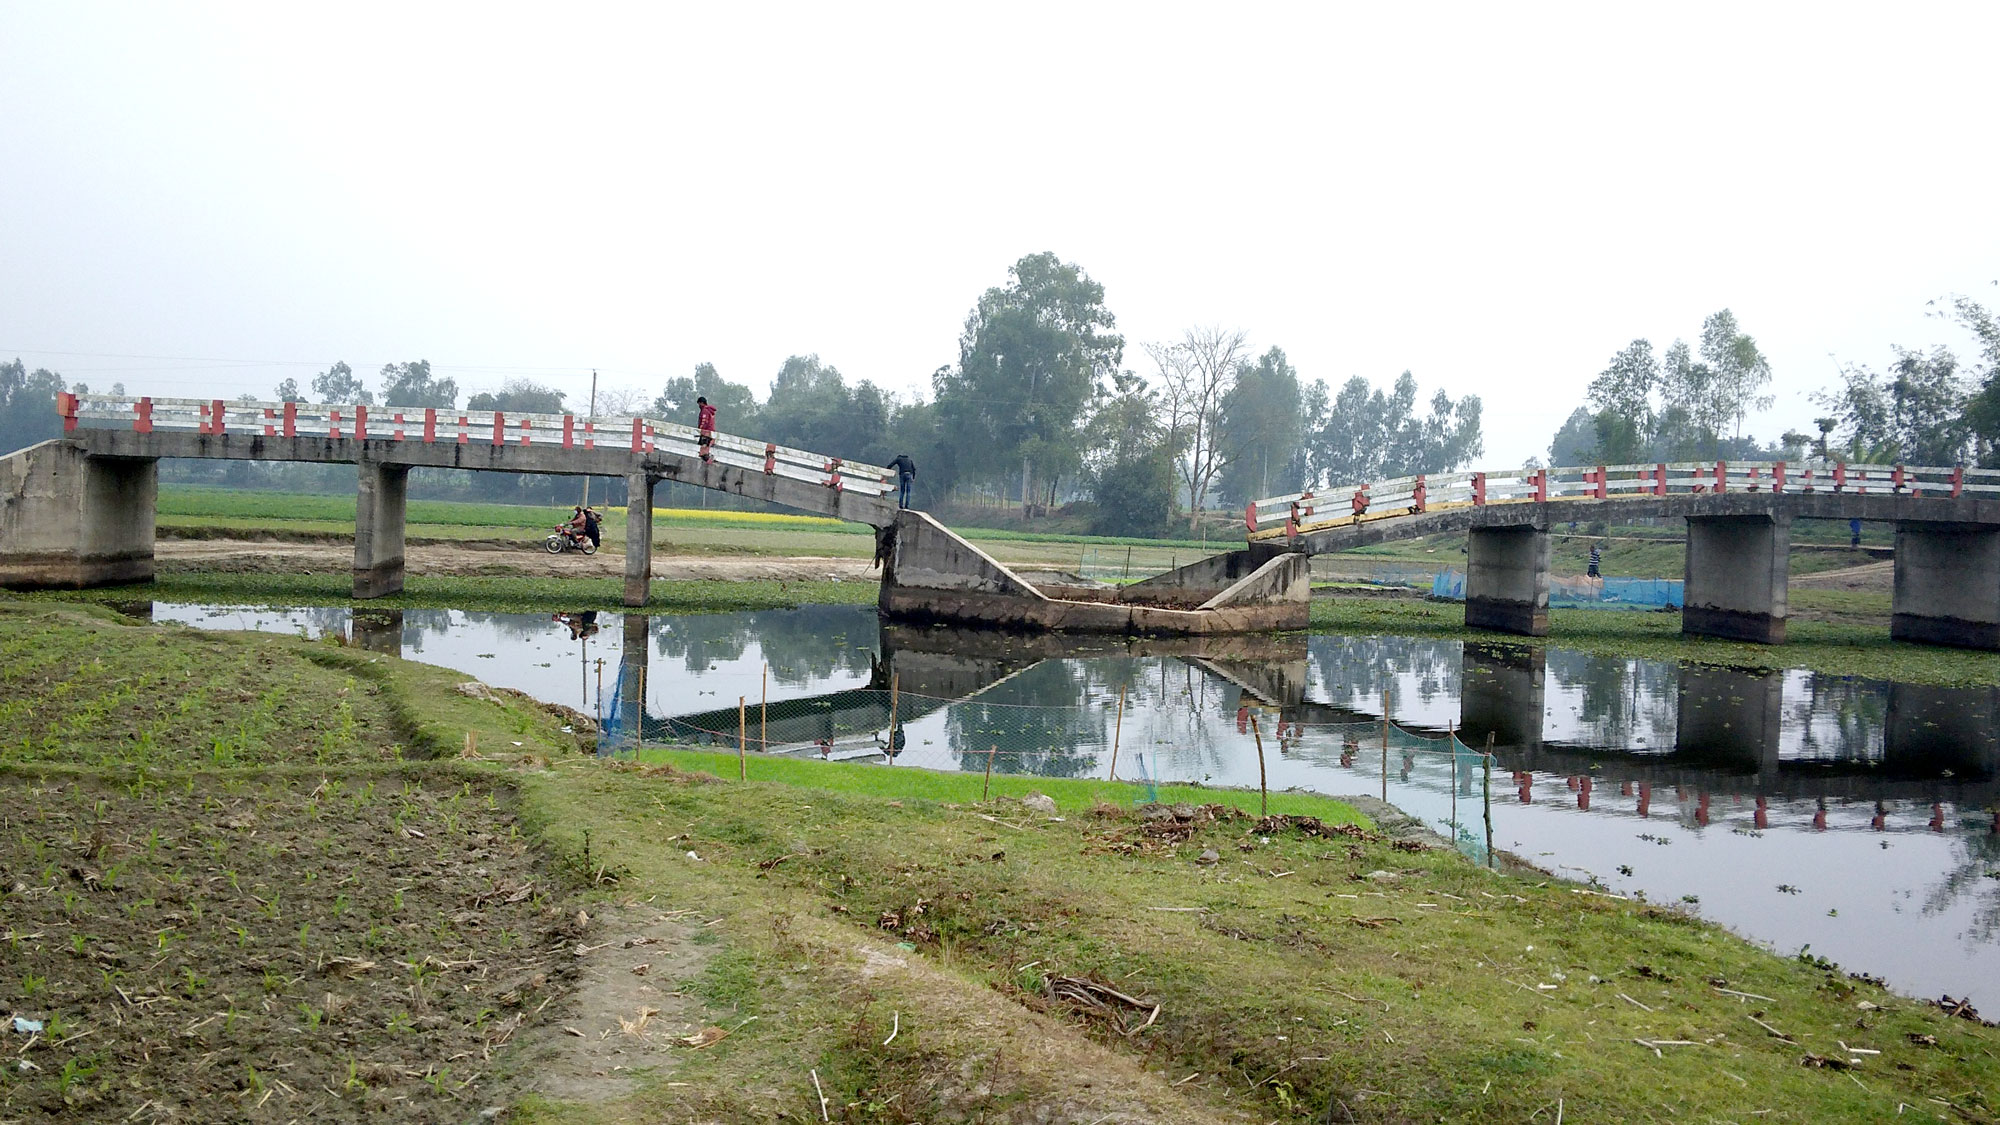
(1297, 513)
(636, 434)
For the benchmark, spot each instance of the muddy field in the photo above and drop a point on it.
(347, 949)
(480, 557)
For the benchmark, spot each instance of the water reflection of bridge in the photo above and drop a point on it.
(1938, 742)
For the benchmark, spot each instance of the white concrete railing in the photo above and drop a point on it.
(1322, 508)
(421, 424)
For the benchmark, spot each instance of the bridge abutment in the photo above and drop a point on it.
(638, 538)
(1737, 566)
(68, 519)
(1507, 580)
(381, 503)
(1947, 585)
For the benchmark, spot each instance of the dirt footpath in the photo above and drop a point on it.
(1874, 578)
(238, 556)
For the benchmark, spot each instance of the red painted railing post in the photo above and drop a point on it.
(569, 432)
(1603, 489)
(1478, 490)
(638, 444)
(590, 433)
(291, 419)
(463, 435)
(499, 428)
(142, 421)
(1896, 477)
(1722, 476)
(399, 425)
(1249, 510)
(66, 410)
(1840, 476)
(1861, 481)
(1778, 478)
(771, 461)
(430, 424)
(1541, 482)
(216, 417)
(1957, 480)
(1660, 479)
(527, 429)
(333, 423)
(361, 423)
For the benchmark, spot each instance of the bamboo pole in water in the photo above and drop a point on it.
(1117, 731)
(764, 712)
(893, 681)
(987, 791)
(742, 759)
(1451, 744)
(1385, 745)
(1489, 798)
(1263, 789)
(639, 716)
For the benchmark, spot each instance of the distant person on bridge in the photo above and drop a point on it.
(705, 422)
(906, 471)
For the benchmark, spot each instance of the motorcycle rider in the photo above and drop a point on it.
(585, 524)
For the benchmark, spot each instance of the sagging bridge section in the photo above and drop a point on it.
(80, 510)
(1739, 517)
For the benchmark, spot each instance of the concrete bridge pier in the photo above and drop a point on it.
(1507, 580)
(1947, 585)
(68, 519)
(381, 503)
(638, 538)
(1736, 572)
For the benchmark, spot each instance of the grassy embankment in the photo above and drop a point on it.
(877, 938)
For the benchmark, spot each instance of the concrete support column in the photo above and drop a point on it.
(638, 538)
(1947, 585)
(1736, 572)
(378, 528)
(1729, 719)
(1507, 580)
(120, 497)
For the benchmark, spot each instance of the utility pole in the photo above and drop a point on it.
(593, 415)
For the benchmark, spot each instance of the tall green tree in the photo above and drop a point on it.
(1368, 435)
(27, 406)
(339, 385)
(735, 404)
(1915, 412)
(518, 396)
(1261, 423)
(1624, 390)
(1740, 370)
(1031, 356)
(1576, 442)
(411, 384)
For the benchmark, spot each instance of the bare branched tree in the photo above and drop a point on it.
(1195, 373)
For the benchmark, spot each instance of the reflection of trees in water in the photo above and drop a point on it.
(1978, 855)
(1841, 718)
(1354, 671)
(1055, 735)
(802, 645)
(1176, 714)
(1622, 700)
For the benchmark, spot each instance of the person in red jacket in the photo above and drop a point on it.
(705, 422)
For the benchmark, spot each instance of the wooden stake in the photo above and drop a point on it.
(1263, 789)
(742, 760)
(894, 679)
(1117, 731)
(639, 720)
(1451, 744)
(1489, 798)
(764, 712)
(1385, 745)
(987, 791)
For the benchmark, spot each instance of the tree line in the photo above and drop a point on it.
(1923, 407)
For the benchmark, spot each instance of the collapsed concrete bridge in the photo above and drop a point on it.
(1739, 517)
(80, 510)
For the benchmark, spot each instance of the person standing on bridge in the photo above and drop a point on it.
(705, 425)
(906, 471)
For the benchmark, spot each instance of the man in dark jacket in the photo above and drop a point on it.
(906, 471)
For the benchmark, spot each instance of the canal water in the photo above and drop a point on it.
(1800, 809)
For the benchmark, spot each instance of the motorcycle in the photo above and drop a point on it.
(566, 539)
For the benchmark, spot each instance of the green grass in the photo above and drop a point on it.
(1069, 794)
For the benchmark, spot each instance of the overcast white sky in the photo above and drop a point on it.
(1495, 197)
